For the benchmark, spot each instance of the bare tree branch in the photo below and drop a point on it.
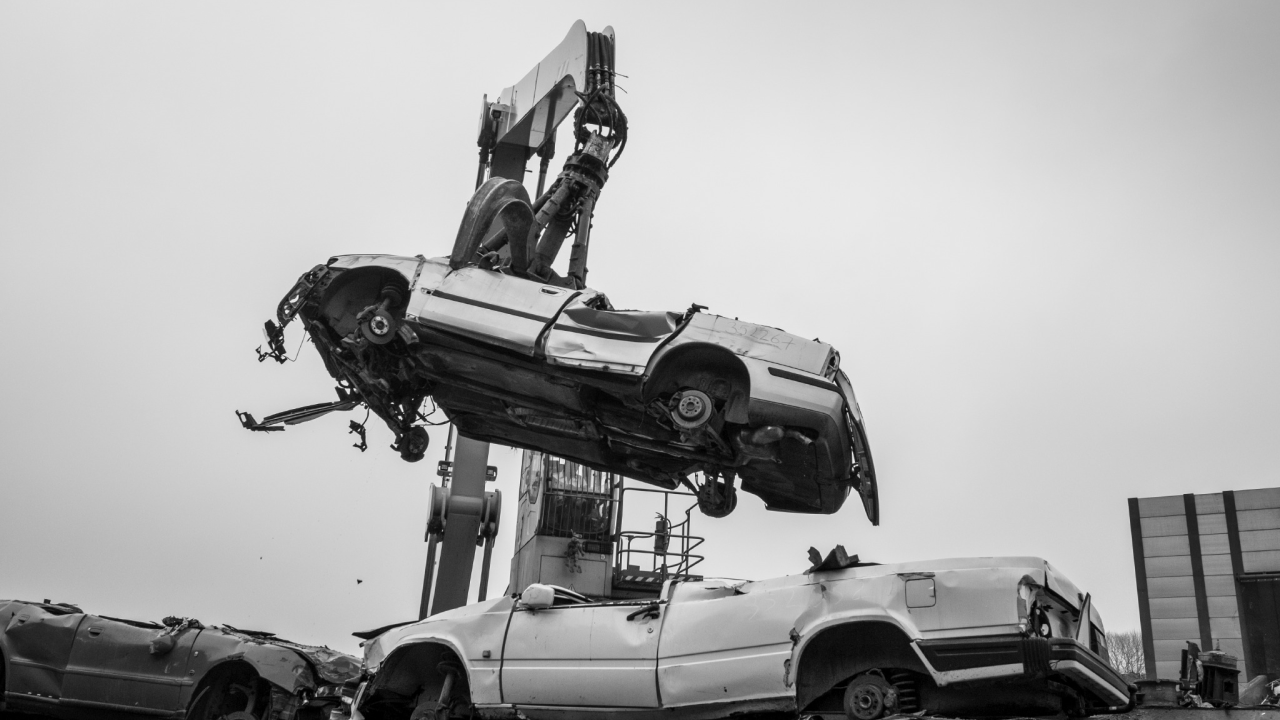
(1126, 653)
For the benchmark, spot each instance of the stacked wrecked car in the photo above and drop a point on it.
(985, 636)
(58, 660)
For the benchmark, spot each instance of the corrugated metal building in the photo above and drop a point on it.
(1208, 570)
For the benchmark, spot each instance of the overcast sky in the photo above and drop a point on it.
(1044, 236)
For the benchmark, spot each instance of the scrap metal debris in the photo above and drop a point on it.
(837, 559)
(347, 400)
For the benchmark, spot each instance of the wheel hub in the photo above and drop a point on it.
(379, 325)
(690, 409)
(867, 702)
(869, 697)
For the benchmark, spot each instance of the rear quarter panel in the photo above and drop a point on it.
(756, 341)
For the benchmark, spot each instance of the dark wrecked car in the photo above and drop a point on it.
(57, 660)
(656, 396)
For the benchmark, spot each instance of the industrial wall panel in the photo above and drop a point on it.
(1158, 506)
(1167, 608)
(1171, 525)
(1169, 566)
(1170, 649)
(1232, 646)
(1171, 629)
(1215, 565)
(1212, 523)
(1216, 544)
(1211, 503)
(1223, 607)
(1260, 540)
(1166, 546)
(1257, 561)
(1268, 519)
(1254, 499)
(1168, 669)
(1220, 586)
(1226, 627)
(1171, 587)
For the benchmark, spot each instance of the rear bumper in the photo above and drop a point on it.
(962, 660)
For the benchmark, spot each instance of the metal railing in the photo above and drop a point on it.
(672, 544)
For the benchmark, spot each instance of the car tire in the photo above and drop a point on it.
(427, 710)
(414, 443)
(716, 498)
(869, 697)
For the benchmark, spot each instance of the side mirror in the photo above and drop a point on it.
(538, 597)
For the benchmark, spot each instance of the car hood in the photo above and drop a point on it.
(332, 666)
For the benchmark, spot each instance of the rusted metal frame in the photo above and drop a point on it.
(656, 447)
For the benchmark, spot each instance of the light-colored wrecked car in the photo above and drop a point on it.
(965, 636)
(656, 396)
(57, 660)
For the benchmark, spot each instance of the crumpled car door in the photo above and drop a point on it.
(489, 306)
(582, 656)
(39, 645)
(610, 340)
(112, 665)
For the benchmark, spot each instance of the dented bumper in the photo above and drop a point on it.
(1000, 657)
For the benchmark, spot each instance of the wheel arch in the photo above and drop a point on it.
(697, 360)
(357, 288)
(224, 671)
(411, 669)
(825, 659)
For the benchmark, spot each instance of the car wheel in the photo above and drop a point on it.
(413, 444)
(869, 697)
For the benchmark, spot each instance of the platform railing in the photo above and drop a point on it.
(670, 552)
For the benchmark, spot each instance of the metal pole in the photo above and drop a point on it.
(424, 608)
(466, 502)
(483, 593)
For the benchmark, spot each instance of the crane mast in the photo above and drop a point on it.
(502, 229)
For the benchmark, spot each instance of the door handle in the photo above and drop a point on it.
(95, 631)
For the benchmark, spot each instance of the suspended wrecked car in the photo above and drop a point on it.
(512, 359)
(963, 637)
(57, 660)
